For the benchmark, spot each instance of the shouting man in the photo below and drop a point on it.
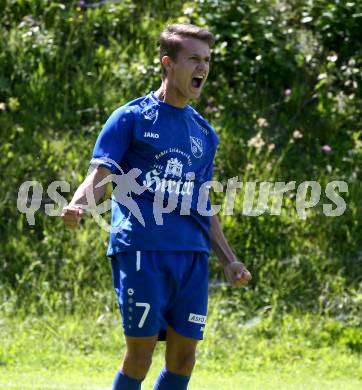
(160, 253)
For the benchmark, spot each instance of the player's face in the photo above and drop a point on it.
(189, 70)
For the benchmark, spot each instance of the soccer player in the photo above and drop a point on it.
(160, 253)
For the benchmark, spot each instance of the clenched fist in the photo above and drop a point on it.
(237, 274)
(71, 216)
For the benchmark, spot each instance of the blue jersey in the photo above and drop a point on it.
(174, 149)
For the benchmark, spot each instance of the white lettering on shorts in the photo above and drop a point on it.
(147, 307)
(197, 319)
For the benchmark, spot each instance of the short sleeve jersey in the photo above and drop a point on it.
(173, 149)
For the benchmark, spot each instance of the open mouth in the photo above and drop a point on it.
(197, 81)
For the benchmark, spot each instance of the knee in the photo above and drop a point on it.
(181, 363)
(138, 363)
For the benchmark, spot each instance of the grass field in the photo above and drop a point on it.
(90, 378)
(83, 353)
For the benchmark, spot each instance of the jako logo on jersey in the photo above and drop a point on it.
(196, 146)
(149, 134)
(197, 319)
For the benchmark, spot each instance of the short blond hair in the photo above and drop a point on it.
(170, 42)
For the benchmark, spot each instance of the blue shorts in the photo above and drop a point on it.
(160, 288)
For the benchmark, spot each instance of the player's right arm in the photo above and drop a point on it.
(112, 143)
(72, 214)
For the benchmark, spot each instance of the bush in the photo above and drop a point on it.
(284, 83)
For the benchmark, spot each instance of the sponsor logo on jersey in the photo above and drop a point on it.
(196, 146)
(169, 179)
(149, 134)
(173, 168)
(154, 183)
(197, 318)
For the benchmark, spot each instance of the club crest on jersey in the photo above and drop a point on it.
(196, 146)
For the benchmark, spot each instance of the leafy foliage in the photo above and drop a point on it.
(284, 86)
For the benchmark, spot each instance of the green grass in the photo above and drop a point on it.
(304, 352)
(202, 380)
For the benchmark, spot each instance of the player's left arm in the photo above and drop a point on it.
(235, 271)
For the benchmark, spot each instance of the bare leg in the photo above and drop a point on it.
(138, 356)
(180, 353)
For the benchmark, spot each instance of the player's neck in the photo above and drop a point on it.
(170, 95)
